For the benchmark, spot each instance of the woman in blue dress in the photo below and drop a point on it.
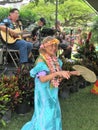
(48, 74)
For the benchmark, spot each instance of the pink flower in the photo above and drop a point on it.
(16, 94)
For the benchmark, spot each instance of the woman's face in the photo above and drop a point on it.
(51, 49)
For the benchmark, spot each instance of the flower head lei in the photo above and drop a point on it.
(53, 41)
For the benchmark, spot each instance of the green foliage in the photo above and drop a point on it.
(25, 83)
(27, 16)
(88, 55)
(74, 15)
(47, 1)
(3, 13)
(8, 90)
(69, 12)
(94, 29)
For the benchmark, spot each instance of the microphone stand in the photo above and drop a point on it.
(6, 51)
(37, 32)
(39, 36)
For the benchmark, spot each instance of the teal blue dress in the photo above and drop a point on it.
(47, 112)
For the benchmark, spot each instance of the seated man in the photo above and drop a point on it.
(36, 36)
(14, 40)
(36, 30)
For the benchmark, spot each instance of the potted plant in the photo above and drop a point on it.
(8, 90)
(26, 87)
(74, 83)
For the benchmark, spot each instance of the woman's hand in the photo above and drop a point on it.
(67, 74)
(64, 74)
(75, 73)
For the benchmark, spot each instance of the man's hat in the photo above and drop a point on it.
(43, 20)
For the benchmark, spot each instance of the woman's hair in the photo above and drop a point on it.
(45, 41)
(48, 38)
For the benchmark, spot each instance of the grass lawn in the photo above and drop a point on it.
(79, 112)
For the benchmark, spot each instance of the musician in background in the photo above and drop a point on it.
(58, 26)
(59, 30)
(8, 25)
(36, 36)
(36, 29)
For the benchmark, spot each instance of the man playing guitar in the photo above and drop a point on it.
(14, 39)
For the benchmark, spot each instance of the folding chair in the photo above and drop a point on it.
(13, 55)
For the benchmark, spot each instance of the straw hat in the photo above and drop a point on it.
(86, 73)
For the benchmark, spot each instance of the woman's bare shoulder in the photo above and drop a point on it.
(39, 60)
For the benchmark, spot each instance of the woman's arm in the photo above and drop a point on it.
(63, 74)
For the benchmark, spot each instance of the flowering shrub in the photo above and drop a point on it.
(25, 83)
(16, 89)
(94, 90)
(8, 90)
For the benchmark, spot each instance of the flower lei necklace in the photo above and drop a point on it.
(52, 63)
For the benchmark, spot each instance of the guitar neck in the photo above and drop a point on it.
(23, 33)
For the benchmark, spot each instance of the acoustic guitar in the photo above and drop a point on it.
(12, 39)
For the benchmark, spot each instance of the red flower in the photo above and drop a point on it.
(89, 36)
(17, 94)
(96, 83)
